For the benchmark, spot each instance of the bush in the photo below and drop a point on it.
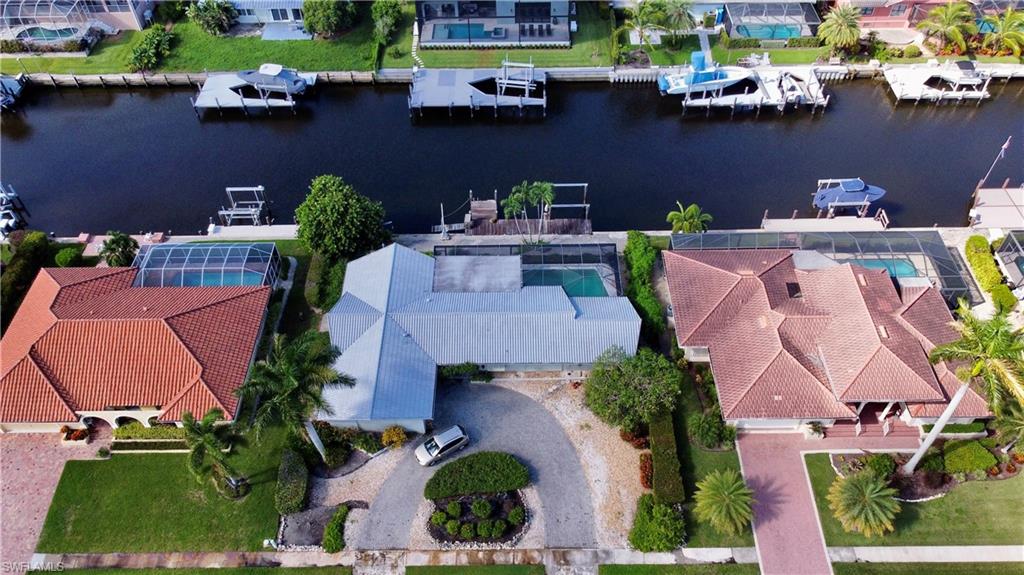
(656, 527)
(136, 430)
(482, 508)
(635, 438)
(30, 254)
(709, 19)
(329, 283)
(803, 42)
(933, 461)
(213, 16)
(668, 482)
(386, 15)
(979, 256)
(328, 17)
(366, 441)
(498, 528)
(337, 454)
(68, 257)
(10, 46)
(482, 472)
(707, 427)
(1003, 298)
(169, 11)
(334, 531)
(467, 531)
(881, 464)
(483, 529)
(452, 527)
(394, 437)
(467, 370)
(630, 391)
(975, 427)
(337, 222)
(517, 516)
(640, 257)
(967, 456)
(454, 508)
(646, 471)
(439, 518)
(292, 477)
(912, 51)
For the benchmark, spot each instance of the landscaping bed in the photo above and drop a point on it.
(495, 527)
(150, 445)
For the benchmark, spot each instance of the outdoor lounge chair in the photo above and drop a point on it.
(548, 27)
(522, 30)
(531, 29)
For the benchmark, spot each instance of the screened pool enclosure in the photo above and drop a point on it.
(772, 20)
(194, 265)
(43, 20)
(1011, 258)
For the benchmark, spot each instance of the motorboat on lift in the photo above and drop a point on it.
(272, 85)
(702, 77)
(845, 192)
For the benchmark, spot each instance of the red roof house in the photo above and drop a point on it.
(86, 343)
(793, 340)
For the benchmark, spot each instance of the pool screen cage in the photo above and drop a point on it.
(214, 264)
(903, 253)
(1011, 257)
(18, 17)
(601, 257)
(748, 17)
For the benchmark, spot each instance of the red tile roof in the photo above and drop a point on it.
(84, 339)
(792, 343)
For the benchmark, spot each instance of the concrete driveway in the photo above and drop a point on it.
(497, 419)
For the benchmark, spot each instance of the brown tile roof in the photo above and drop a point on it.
(84, 339)
(792, 343)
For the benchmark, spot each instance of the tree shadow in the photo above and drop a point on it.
(768, 495)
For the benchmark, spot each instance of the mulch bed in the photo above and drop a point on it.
(502, 503)
(924, 484)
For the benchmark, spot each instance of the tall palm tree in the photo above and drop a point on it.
(992, 351)
(689, 219)
(1011, 425)
(724, 501)
(648, 16)
(863, 503)
(840, 29)
(514, 206)
(207, 442)
(118, 249)
(541, 195)
(1007, 30)
(289, 384)
(678, 17)
(952, 22)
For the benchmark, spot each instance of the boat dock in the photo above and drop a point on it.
(484, 218)
(773, 87)
(934, 82)
(246, 205)
(515, 85)
(1000, 208)
(271, 86)
(858, 223)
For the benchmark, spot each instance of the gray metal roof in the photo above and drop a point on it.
(393, 330)
(267, 4)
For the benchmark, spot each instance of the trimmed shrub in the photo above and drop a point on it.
(394, 437)
(634, 438)
(292, 477)
(483, 528)
(975, 427)
(483, 472)
(979, 256)
(452, 527)
(467, 370)
(1003, 298)
(482, 508)
(328, 17)
(641, 256)
(154, 47)
(517, 516)
(656, 527)
(366, 441)
(912, 51)
(439, 518)
(881, 464)
(454, 508)
(467, 531)
(334, 531)
(498, 528)
(933, 461)
(646, 470)
(967, 456)
(707, 427)
(136, 430)
(667, 480)
(337, 454)
(803, 42)
(68, 257)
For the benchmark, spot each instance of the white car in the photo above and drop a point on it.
(441, 445)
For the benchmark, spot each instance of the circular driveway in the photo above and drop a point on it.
(497, 419)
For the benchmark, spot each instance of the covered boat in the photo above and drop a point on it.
(845, 192)
(702, 77)
(271, 86)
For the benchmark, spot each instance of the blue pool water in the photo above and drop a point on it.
(896, 268)
(46, 34)
(227, 278)
(768, 31)
(578, 282)
(460, 32)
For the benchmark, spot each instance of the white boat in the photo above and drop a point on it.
(10, 89)
(272, 86)
(700, 78)
(845, 192)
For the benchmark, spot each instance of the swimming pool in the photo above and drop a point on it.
(460, 32)
(47, 34)
(897, 268)
(578, 282)
(768, 31)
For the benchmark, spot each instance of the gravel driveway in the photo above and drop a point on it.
(497, 419)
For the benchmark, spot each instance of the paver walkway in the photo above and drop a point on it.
(30, 467)
(787, 531)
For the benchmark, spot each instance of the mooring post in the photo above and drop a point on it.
(217, 102)
(75, 78)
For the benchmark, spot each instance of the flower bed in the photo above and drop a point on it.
(136, 430)
(149, 445)
(73, 436)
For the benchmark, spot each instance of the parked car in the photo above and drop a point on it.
(441, 445)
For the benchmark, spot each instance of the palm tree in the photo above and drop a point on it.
(724, 501)
(514, 206)
(119, 249)
(689, 219)
(993, 353)
(863, 503)
(207, 442)
(952, 22)
(289, 384)
(1011, 425)
(1007, 31)
(840, 29)
(678, 17)
(541, 195)
(643, 19)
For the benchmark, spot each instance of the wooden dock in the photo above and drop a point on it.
(554, 226)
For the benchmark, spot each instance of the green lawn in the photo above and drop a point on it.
(151, 503)
(696, 463)
(929, 568)
(215, 571)
(709, 569)
(975, 513)
(109, 57)
(299, 315)
(478, 570)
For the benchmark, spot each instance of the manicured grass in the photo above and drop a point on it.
(216, 571)
(710, 569)
(929, 568)
(151, 503)
(109, 57)
(697, 462)
(975, 513)
(299, 315)
(478, 570)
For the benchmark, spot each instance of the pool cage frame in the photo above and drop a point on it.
(1010, 256)
(18, 15)
(168, 265)
(924, 249)
(771, 14)
(603, 257)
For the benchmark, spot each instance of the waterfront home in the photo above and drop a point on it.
(525, 23)
(281, 19)
(402, 314)
(116, 345)
(896, 21)
(794, 337)
(39, 22)
(768, 21)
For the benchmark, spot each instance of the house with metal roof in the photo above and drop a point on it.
(403, 313)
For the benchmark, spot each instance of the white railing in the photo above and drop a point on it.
(857, 428)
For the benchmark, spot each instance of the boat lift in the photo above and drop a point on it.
(248, 205)
(12, 211)
(505, 81)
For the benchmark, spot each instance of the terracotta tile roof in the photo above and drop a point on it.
(84, 339)
(792, 343)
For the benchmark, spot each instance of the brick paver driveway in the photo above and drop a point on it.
(30, 467)
(786, 528)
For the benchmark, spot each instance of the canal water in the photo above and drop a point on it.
(93, 160)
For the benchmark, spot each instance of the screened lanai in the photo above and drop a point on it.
(772, 20)
(199, 264)
(43, 20)
(1011, 258)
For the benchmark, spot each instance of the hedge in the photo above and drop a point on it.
(668, 481)
(483, 472)
(803, 42)
(292, 477)
(29, 255)
(976, 427)
(640, 257)
(128, 446)
(334, 532)
(136, 430)
(967, 456)
(656, 527)
(979, 255)
(1003, 298)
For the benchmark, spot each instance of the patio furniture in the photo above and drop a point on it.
(522, 30)
(499, 33)
(548, 29)
(531, 30)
